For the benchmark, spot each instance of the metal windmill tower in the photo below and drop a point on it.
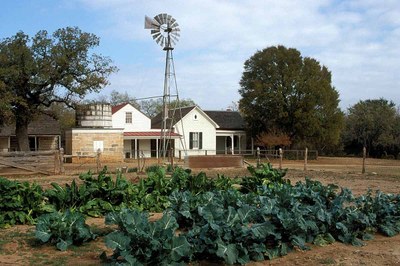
(166, 32)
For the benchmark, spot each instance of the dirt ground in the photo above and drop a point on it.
(18, 245)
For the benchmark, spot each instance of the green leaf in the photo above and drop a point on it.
(113, 218)
(43, 234)
(261, 231)
(63, 244)
(272, 253)
(245, 213)
(323, 240)
(387, 230)
(180, 248)
(299, 242)
(227, 251)
(117, 240)
(131, 260)
(168, 222)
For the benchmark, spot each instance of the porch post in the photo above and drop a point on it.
(240, 143)
(9, 143)
(135, 151)
(157, 143)
(232, 144)
(226, 148)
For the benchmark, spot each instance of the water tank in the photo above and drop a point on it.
(96, 115)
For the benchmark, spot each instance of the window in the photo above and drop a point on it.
(128, 117)
(195, 140)
(98, 145)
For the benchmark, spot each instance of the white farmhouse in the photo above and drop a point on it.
(131, 134)
(206, 132)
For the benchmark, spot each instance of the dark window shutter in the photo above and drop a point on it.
(200, 140)
(191, 140)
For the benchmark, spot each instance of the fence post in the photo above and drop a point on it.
(138, 162)
(280, 157)
(180, 155)
(206, 152)
(316, 155)
(98, 160)
(364, 155)
(61, 158)
(305, 159)
(258, 156)
(56, 162)
(172, 157)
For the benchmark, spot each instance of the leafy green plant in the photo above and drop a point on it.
(263, 174)
(140, 242)
(96, 196)
(382, 210)
(20, 203)
(63, 229)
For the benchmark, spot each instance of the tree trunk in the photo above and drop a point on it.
(21, 132)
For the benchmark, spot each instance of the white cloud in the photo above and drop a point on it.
(357, 40)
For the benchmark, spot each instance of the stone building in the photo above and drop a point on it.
(44, 133)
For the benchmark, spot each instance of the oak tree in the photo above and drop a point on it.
(374, 124)
(281, 90)
(44, 69)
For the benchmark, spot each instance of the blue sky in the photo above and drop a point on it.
(358, 40)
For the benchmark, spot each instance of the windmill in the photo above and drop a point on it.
(166, 32)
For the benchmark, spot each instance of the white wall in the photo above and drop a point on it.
(200, 124)
(140, 122)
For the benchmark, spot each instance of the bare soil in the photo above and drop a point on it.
(19, 247)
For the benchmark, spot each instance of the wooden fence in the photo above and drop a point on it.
(38, 162)
(33, 162)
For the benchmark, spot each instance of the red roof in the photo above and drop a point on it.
(149, 134)
(116, 108)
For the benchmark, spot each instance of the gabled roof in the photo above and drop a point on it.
(177, 113)
(116, 108)
(40, 125)
(225, 120)
(228, 120)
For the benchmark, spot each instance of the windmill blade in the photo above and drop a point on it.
(172, 22)
(163, 41)
(176, 34)
(158, 18)
(156, 35)
(149, 23)
(168, 20)
(155, 31)
(176, 31)
(174, 38)
(164, 18)
(158, 38)
(174, 25)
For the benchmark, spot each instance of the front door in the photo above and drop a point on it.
(153, 147)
